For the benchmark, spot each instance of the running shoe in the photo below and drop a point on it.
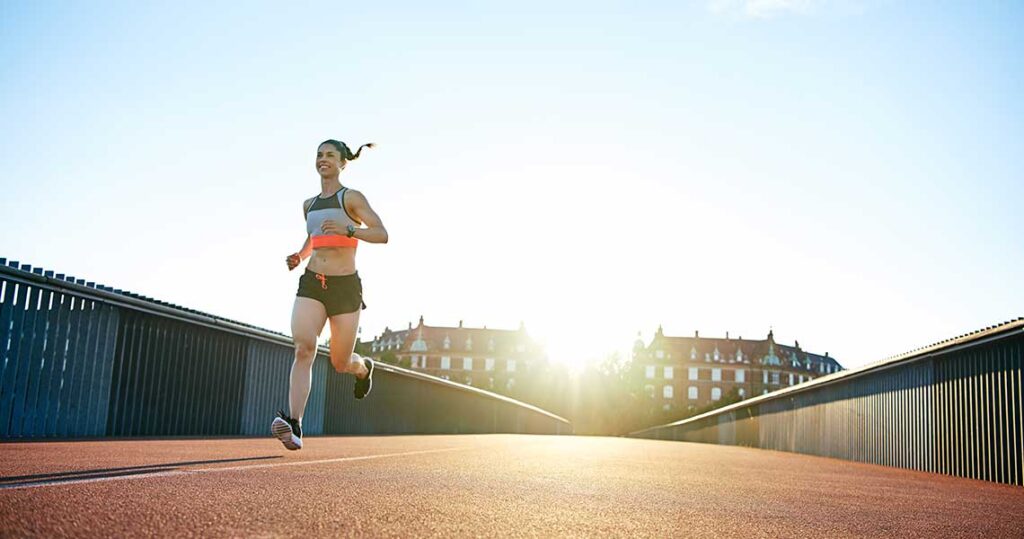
(287, 430)
(363, 385)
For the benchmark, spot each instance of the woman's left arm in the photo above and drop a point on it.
(374, 231)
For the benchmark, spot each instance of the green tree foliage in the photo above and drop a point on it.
(390, 357)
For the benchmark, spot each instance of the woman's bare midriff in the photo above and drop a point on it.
(333, 261)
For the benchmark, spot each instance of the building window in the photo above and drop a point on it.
(467, 363)
(469, 380)
(660, 354)
(716, 375)
(668, 373)
(469, 343)
(765, 373)
(801, 378)
(666, 392)
(649, 371)
(446, 362)
(790, 378)
(490, 344)
(693, 353)
(489, 364)
(707, 357)
(741, 375)
(692, 393)
(419, 345)
(775, 377)
(649, 389)
(742, 392)
(717, 356)
(739, 355)
(693, 373)
(716, 393)
(511, 365)
(447, 342)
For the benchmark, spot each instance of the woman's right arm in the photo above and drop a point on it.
(306, 251)
(295, 259)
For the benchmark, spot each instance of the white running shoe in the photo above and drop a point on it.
(287, 430)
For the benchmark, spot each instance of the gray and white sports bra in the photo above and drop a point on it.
(333, 208)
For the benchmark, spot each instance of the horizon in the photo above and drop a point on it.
(846, 173)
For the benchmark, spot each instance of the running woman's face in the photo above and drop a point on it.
(328, 160)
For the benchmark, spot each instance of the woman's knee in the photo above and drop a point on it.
(305, 349)
(344, 362)
(339, 362)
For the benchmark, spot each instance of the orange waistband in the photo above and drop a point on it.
(333, 240)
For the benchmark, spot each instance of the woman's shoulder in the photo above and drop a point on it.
(354, 193)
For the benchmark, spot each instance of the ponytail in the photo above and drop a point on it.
(354, 156)
(346, 153)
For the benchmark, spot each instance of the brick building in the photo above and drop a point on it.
(681, 373)
(481, 357)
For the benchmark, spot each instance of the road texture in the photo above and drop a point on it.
(487, 485)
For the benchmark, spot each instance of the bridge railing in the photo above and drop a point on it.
(953, 408)
(85, 360)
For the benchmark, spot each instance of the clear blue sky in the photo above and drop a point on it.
(849, 173)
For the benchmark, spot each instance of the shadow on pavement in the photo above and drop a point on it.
(21, 480)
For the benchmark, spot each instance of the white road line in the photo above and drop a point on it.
(173, 473)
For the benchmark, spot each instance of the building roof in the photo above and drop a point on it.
(461, 339)
(729, 350)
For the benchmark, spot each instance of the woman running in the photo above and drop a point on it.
(330, 289)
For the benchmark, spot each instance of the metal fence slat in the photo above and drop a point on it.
(15, 348)
(30, 336)
(58, 371)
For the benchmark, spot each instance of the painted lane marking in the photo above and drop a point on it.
(174, 473)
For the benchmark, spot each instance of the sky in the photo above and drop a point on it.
(845, 173)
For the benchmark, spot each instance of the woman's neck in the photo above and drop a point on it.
(329, 186)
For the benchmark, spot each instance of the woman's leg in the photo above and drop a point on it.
(308, 318)
(343, 343)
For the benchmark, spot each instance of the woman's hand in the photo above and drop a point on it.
(293, 260)
(331, 226)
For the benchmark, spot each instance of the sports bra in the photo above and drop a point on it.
(322, 209)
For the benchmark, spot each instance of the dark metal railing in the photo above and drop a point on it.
(953, 408)
(85, 360)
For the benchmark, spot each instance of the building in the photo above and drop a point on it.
(685, 373)
(481, 357)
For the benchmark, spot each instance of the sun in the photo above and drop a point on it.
(577, 348)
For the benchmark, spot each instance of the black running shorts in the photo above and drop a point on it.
(340, 294)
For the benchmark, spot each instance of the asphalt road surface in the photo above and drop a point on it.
(487, 485)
